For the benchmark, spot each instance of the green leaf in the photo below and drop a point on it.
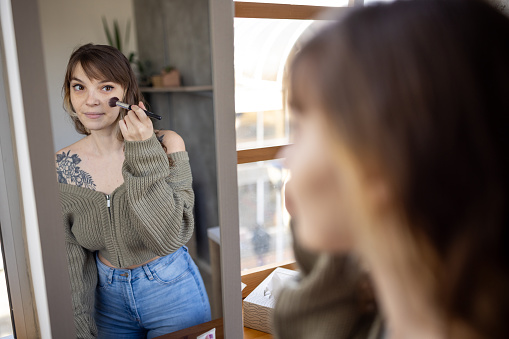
(169, 68)
(107, 32)
(131, 57)
(117, 35)
(140, 67)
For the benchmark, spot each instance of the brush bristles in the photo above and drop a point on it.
(113, 102)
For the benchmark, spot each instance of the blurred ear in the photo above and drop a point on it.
(288, 198)
(378, 195)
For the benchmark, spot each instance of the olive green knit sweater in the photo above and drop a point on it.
(332, 299)
(150, 214)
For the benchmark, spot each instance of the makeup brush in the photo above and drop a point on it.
(115, 102)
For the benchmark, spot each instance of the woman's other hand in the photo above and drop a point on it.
(136, 125)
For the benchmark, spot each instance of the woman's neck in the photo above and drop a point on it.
(404, 282)
(104, 143)
(407, 312)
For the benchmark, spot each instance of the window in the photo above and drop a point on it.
(266, 34)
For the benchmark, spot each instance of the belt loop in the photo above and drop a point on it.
(147, 272)
(110, 275)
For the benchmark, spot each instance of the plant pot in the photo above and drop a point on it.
(171, 79)
(157, 80)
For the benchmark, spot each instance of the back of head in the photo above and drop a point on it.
(419, 90)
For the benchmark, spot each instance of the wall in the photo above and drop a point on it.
(177, 33)
(66, 24)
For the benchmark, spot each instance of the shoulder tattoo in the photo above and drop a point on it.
(69, 172)
(160, 138)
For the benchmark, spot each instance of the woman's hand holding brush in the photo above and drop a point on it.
(116, 102)
(136, 125)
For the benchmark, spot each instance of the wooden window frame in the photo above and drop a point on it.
(259, 10)
(259, 154)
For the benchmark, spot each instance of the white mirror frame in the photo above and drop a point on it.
(43, 309)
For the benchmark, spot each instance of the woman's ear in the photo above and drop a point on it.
(288, 198)
(378, 194)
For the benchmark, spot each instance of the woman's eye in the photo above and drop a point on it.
(77, 87)
(108, 88)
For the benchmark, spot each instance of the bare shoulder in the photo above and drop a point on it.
(71, 149)
(171, 140)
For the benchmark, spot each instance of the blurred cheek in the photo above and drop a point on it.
(314, 192)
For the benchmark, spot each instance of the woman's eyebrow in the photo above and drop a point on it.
(101, 82)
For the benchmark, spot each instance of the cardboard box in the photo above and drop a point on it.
(259, 304)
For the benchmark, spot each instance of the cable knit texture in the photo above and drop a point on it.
(150, 214)
(327, 302)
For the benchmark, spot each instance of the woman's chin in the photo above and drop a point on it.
(99, 126)
(315, 241)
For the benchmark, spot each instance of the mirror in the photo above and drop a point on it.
(161, 33)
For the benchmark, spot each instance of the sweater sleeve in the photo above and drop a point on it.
(83, 277)
(159, 194)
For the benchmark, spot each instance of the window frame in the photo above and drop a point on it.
(261, 10)
(276, 11)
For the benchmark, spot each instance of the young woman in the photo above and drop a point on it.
(127, 208)
(401, 154)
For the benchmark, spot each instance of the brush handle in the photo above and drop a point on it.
(152, 115)
(148, 113)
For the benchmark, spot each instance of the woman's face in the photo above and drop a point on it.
(320, 189)
(90, 99)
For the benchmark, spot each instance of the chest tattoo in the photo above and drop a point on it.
(69, 172)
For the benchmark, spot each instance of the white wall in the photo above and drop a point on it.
(65, 25)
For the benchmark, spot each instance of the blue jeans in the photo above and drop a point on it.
(163, 296)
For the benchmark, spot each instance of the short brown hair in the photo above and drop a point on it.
(419, 90)
(106, 63)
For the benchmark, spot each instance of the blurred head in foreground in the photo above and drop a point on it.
(401, 115)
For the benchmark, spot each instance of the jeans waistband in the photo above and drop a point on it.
(144, 270)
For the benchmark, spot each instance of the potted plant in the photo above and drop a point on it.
(170, 77)
(115, 40)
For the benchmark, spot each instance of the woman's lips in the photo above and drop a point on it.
(93, 115)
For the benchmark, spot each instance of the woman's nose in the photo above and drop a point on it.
(92, 98)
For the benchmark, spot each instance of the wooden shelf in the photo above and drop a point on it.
(176, 89)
